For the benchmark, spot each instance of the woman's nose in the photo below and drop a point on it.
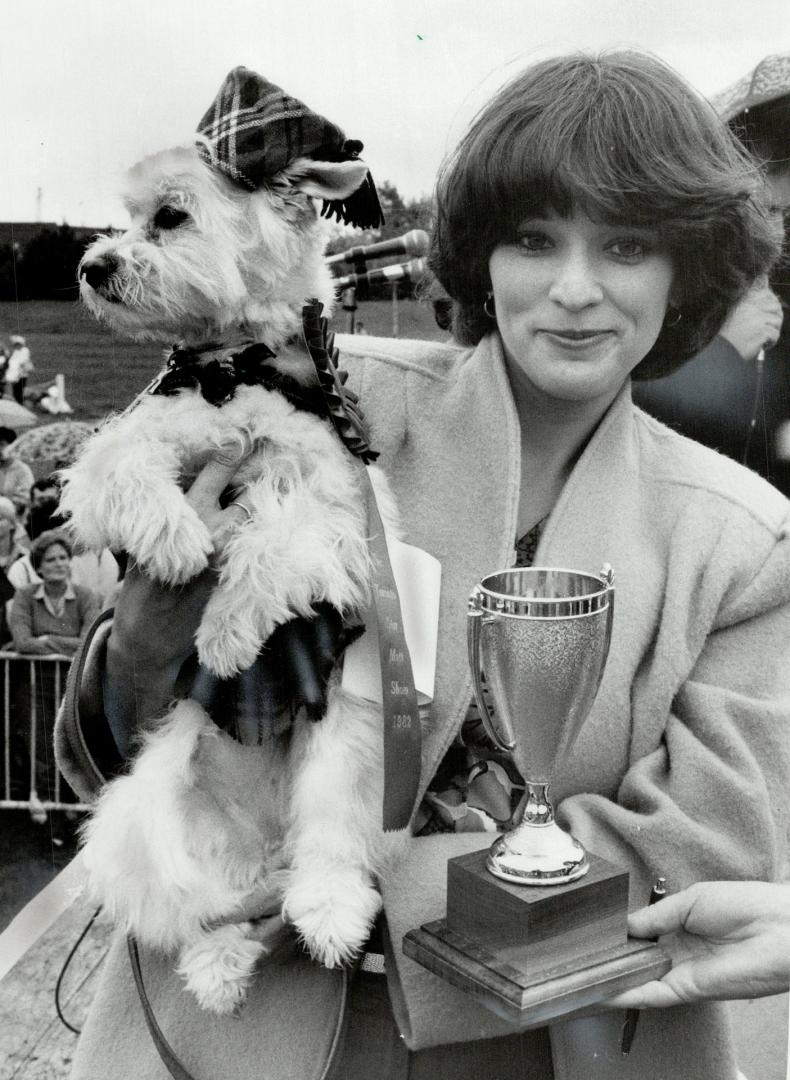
(576, 284)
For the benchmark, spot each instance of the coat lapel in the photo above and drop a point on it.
(467, 517)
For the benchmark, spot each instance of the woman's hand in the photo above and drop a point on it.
(154, 630)
(755, 322)
(154, 626)
(161, 621)
(204, 494)
(727, 940)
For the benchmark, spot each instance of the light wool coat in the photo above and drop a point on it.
(682, 768)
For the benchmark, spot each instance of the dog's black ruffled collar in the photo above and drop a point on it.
(216, 372)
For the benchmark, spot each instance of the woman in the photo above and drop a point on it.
(596, 222)
(52, 616)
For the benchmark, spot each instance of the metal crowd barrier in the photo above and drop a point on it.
(12, 666)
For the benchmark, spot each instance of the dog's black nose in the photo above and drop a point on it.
(99, 271)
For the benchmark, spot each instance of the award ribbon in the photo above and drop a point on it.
(402, 735)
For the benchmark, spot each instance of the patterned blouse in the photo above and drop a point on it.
(477, 787)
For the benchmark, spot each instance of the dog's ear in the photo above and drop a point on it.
(325, 179)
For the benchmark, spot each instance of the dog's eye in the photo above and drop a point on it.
(170, 217)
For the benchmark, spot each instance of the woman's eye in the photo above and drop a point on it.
(630, 250)
(534, 242)
(170, 217)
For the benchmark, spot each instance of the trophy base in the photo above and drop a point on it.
(533, 954)
(537, 855)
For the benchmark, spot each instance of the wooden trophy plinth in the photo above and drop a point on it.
(533, 953)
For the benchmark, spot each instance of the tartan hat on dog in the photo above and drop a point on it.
(253, 130)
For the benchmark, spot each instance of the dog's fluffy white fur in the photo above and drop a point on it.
(200, 824)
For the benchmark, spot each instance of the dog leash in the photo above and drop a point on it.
(65, 968)
(170, 1059)
(402, 734)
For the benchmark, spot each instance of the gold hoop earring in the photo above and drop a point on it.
(676, 319)
(489, 307)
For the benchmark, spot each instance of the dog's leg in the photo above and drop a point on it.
(291, 554)
(335, 842)
(219, 966)
(127, 498)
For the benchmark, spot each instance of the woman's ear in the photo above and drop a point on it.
(329, 180)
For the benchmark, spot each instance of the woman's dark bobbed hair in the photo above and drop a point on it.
(625, 139)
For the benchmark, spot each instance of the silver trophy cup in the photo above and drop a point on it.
(538, 641)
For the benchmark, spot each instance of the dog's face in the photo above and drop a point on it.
(205, 260)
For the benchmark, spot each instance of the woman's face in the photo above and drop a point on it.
(578, 304)
(55, 564)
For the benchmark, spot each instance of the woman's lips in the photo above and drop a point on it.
(576, 338)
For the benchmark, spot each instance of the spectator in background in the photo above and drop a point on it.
(44, 500)
(16, 478)
(99, 573)
(733, 396)
(46, 618)
(18, 369)
(52, 616)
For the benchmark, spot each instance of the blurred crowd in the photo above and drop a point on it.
(49, 596)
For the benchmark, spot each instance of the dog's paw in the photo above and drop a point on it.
(179, 556)
(225, 650)
(332, 912)
(219, 968)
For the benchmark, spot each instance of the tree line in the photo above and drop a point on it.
(46, 268)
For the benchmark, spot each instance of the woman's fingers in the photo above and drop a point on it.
(652, 995)
(664, 917)
(215, 477)
(208, 485)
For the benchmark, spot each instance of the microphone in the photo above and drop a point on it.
(414, 242)
(414, 268)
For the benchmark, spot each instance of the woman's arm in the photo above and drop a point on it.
(61, 643)
(21, 626)
(154, 627)
(711, 798)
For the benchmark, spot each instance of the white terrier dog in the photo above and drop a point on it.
(202, 823)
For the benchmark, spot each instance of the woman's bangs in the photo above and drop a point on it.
(560, 176)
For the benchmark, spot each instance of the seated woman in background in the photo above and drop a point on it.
(47, 617)
(51, 616)
(96, 572)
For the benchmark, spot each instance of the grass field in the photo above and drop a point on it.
(104, 372)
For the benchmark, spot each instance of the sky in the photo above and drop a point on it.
(88, 87)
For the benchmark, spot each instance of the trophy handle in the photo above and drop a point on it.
(497, 728)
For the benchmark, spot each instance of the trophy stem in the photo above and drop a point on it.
(538, 809)
(537, 851)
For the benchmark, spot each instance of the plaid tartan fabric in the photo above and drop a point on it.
(255, 129)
